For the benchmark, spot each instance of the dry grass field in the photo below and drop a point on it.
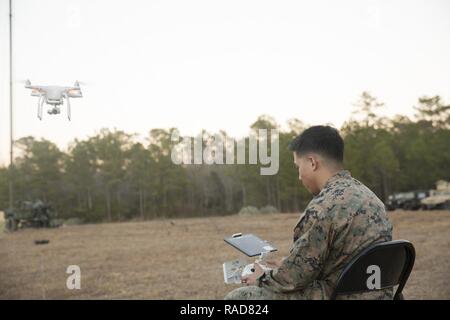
(179, 259)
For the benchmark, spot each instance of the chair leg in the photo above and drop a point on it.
(399, 296)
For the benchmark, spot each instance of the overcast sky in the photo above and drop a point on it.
(218, 64)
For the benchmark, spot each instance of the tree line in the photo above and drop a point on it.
(113, 177)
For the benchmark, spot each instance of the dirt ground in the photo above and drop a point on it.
(182, 259)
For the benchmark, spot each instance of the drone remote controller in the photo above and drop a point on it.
(250, 268)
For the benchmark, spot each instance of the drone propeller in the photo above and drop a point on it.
(26, 82)
(77, 83)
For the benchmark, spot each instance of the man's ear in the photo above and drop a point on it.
(314, 162)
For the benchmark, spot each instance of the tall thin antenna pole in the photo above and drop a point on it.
(11, 156)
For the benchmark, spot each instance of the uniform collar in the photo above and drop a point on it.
(342, 174)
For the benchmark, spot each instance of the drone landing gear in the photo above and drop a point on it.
(40, 104)
(68, 105)
(68, 108)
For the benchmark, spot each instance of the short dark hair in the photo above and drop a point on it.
(324, 140)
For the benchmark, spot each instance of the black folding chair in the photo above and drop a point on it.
(395, 260)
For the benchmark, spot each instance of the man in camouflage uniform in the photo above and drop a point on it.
(342, 219)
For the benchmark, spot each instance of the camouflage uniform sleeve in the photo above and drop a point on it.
(306, 258)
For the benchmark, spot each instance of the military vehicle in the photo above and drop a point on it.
(35, 214)
(439, 198)
(406, 200)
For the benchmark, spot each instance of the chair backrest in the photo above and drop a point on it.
(393, 260)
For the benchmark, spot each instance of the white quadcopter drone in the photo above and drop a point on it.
(54, 95)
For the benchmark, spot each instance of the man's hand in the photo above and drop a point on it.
(273, 263)
(251, 279)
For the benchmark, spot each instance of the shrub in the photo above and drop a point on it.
(249, 210)
(73, 221)
(268, 209)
